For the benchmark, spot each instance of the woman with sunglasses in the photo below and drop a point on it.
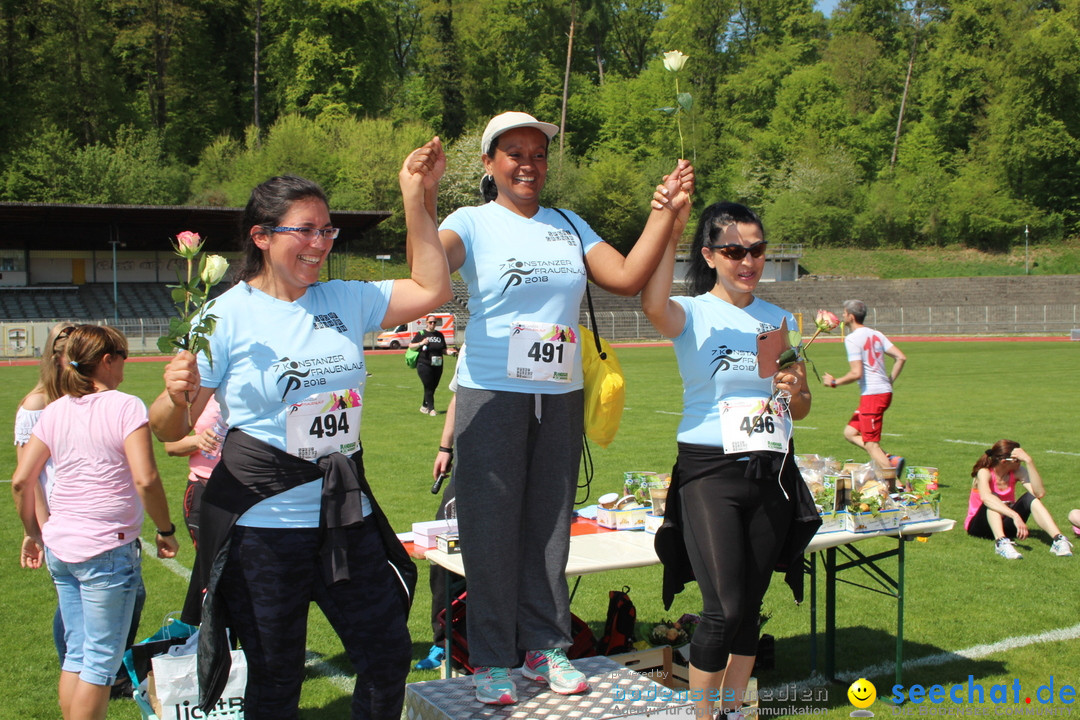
(286, 517)
(26, 418)
(104, 476)
(734, 484)
(431, 344)
(526, 267)
(994, 510)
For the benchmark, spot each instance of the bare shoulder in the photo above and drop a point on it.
(35, 401)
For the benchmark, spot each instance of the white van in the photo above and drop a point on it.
(402, 335)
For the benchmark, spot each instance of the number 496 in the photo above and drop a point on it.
(763, 424)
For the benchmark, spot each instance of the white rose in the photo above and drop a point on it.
(674, 60)
(214, 269)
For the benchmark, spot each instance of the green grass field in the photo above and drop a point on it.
(953, 400)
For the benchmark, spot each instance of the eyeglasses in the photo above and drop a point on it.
(431, 322)
(738, 252)
(309, 233)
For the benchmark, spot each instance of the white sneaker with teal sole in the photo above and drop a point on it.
(494, 686)
(1061, 547)
(1004, 547)
(553, 667)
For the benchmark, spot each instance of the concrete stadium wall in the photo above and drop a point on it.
(939, 306)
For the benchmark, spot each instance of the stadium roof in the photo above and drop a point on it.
(50, 226)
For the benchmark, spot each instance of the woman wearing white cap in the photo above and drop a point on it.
(520, 407)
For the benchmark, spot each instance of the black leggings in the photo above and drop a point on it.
(430, 375)
(980, 527)
(272, 576)
(734, 526)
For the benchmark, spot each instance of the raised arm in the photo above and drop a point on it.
(628, 275)
(428, 286)
(1029, 474)
(666, 315)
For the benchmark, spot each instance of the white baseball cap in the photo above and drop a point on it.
(510, 120)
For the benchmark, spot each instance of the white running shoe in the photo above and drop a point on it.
(1061, 547)
(1005, 549)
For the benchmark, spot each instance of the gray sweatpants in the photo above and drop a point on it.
(516, 477)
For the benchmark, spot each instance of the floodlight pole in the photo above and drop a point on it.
(1026, 271)
(115, 294)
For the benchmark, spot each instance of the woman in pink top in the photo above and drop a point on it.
(104, 474)
(993, 508)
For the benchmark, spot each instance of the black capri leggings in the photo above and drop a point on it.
(735, 517)
(980, 527)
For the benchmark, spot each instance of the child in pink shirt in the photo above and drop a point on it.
(104, 475)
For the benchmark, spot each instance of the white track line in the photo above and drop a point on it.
(975, 652)
(962, 442)
(1062, 452)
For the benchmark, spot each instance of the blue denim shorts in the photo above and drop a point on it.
(97, 598)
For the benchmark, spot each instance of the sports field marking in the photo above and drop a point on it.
(314, 662)
(963, 442)
(176, 567)
(667, 412)
(975, 652)
(1062, 452)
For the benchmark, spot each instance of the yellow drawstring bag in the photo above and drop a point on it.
(605, 388)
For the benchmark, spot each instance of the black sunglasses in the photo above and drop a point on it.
(62, 335)
(738, 252)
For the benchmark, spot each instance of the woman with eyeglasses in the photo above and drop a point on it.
(431, 344)
(520, 404)
(287, 518)
(995, 512)
(731, 499)
(104, 475)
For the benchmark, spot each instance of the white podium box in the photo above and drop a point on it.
(615, 692)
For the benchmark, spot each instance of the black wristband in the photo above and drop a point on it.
(449, 451)
(168, 533)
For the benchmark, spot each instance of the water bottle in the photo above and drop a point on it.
(220, 428)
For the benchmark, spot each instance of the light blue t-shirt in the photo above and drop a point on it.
(269, 354)
(518, 270)
(717, 355)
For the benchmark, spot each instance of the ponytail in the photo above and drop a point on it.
(86, 346)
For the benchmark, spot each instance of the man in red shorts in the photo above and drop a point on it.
(866, 351)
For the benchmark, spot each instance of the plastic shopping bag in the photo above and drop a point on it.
(174, 688)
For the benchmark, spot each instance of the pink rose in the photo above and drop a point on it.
(188, 244)
(826, 321)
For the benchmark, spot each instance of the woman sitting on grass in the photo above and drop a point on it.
(994, 512)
